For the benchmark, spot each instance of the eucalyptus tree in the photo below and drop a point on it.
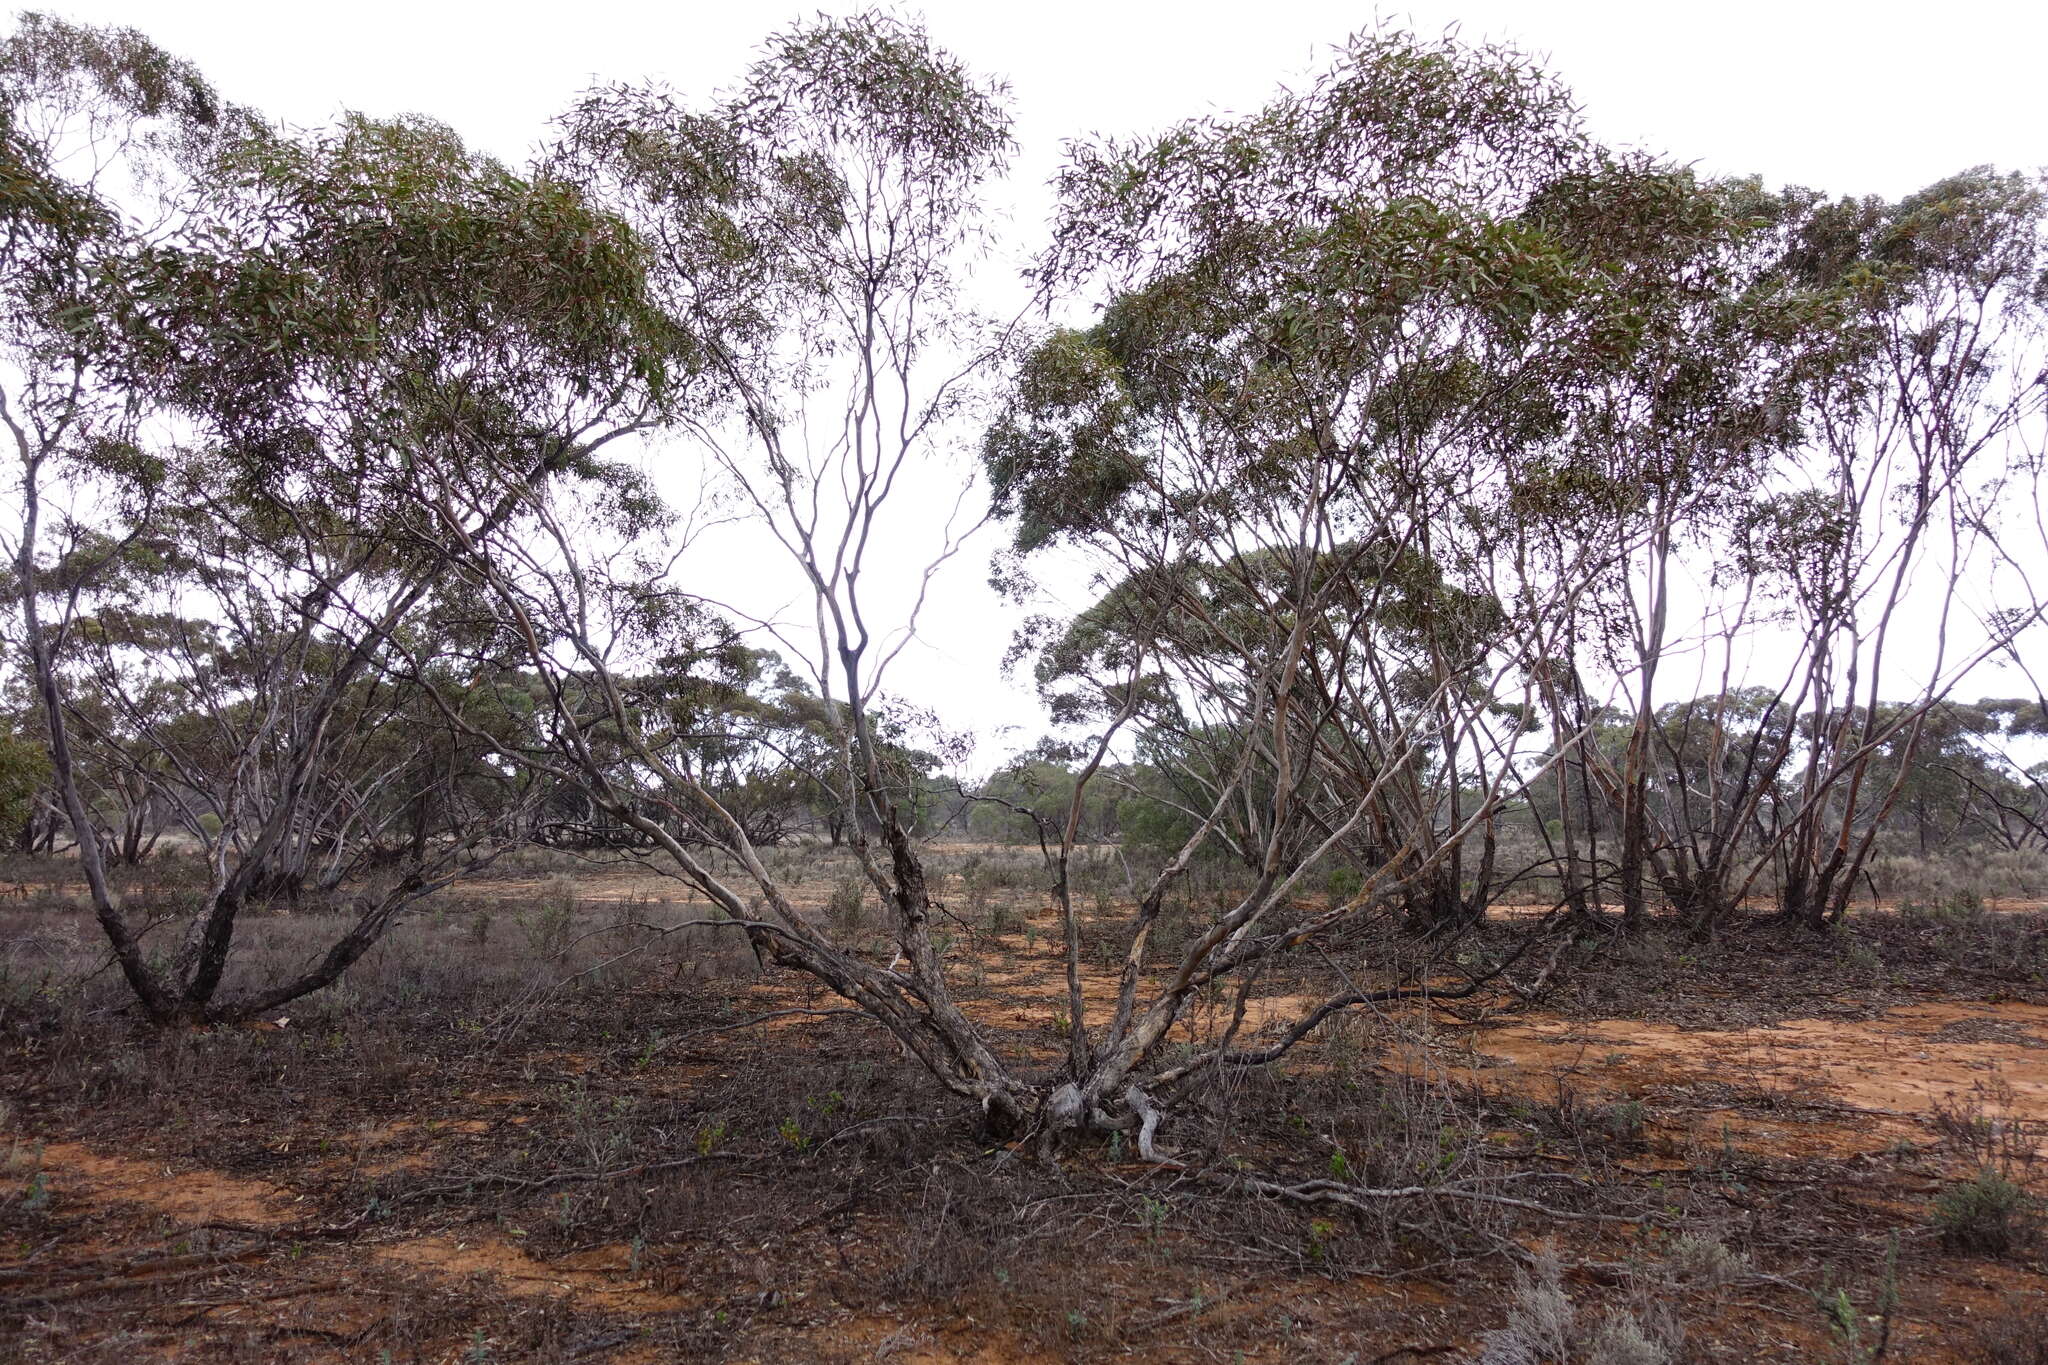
(1307, 448)
(84, 113)
(24, 780)
(1033, 793)
(751, 732)
(1839, 408)
(808, 234)
(2006, 795)
(1924, 491)
(1305, 403)
(1689, 387)
(270, 364)
(189, 685)
(1916, 334)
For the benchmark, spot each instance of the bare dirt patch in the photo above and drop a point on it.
(1894, 1065)
(177, 1190)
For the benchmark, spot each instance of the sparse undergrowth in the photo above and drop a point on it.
(543, 1077)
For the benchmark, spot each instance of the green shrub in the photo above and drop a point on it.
(844, 905)
(547, 925)
(1989, 1215)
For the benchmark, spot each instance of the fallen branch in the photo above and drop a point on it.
(1198, 1304)
(113, 1284)
(760, 1019)
(202, 1307)
(1363, 1198)
(501, 1180)
(109, 1270)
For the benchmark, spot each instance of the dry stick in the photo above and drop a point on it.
(113, 1284)
(1534, 989)
(501, 1180)
(1363, 1197)
(1186, 1308)
(136, 1269)
(605, 1343)
(865, 1124)
(201, 1307)
(762, 1019)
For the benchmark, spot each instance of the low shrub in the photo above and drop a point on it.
(2015, 1333)
(1988, 1215)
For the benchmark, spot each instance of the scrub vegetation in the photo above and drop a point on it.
(1537, 852)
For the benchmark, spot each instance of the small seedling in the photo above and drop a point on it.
(1321, 1233)
(709, 1135)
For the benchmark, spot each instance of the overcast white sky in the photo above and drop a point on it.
(1869, 97)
